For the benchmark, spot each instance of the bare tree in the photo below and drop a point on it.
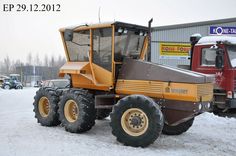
(46, 62)
(7, 65)
(49, 71)
(52, 62)
(37, 60)
(60, 61)
(29, 59)
(16, 64)
(1, 67)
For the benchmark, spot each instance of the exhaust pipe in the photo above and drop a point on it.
(149, 39)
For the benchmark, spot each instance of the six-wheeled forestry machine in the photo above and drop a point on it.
(109, 76)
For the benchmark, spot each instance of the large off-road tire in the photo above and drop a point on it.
(77, 111)
(102, 113)
(7, 87)
(136, 120)
(46, 106)
(178, 129)
(19, 87)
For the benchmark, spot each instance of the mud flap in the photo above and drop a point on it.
(176, 112)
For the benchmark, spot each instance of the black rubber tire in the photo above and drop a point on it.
(19, 87)
(53, 118)
(178, 129)
(7, 87)
(87, 113)
(153, 113)
(102, 113)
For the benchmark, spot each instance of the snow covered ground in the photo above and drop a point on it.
(21, 135)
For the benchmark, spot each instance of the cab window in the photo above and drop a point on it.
(78, 48)
(102, 48)
(128, 43)
(208, 57)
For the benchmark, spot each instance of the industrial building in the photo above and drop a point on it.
(32, 74)
(171, 45)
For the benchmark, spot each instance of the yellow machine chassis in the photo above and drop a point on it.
(165, 90)
(87, 74)
(91, 76)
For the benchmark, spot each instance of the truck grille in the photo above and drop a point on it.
(205, 91)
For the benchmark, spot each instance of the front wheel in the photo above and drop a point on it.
(178, 129)
(7, 87)
(136, 120)
(46, 106)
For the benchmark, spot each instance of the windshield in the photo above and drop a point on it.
(78, 48)
(232, 54)
(128, 42)
(60, 84)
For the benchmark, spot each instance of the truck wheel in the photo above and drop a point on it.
(19, 87)
(77, 111)
(136, 120)
(178, 129)
(7, 87)
(102, 113)
(46, 106)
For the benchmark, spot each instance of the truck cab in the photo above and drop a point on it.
(217, 55)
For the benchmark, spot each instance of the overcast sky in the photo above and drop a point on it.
(37, 32)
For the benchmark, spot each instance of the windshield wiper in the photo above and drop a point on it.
(81, 44)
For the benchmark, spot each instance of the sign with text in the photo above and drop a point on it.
(218, 30)
(174, 50)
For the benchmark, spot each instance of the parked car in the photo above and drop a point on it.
(56, 83)
(38, 84)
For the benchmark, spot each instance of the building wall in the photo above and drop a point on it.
(178, 35)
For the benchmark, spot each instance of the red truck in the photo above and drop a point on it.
(217, 55)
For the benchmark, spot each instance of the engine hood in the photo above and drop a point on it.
(142, 70)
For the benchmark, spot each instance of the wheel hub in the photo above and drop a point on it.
(134, 122)
(71, 111)
(44, 106)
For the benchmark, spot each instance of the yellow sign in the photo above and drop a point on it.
(174, 50)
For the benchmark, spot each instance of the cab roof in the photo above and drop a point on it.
(106, 24)
(213, 39)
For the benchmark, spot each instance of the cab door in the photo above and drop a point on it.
(102, 56)
(204, 61)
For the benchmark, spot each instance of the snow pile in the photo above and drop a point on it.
(21, 135)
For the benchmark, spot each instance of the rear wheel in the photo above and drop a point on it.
(76, 110)
(46, 106)
(136, 120)
(19, 87)
(178, 129)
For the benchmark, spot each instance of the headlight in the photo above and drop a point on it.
(208, 105)
(200, 106)
(229, 95)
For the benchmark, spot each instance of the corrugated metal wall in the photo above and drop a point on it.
(177, 35)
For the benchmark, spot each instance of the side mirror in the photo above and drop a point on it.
(219, 61)
(68, 35)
